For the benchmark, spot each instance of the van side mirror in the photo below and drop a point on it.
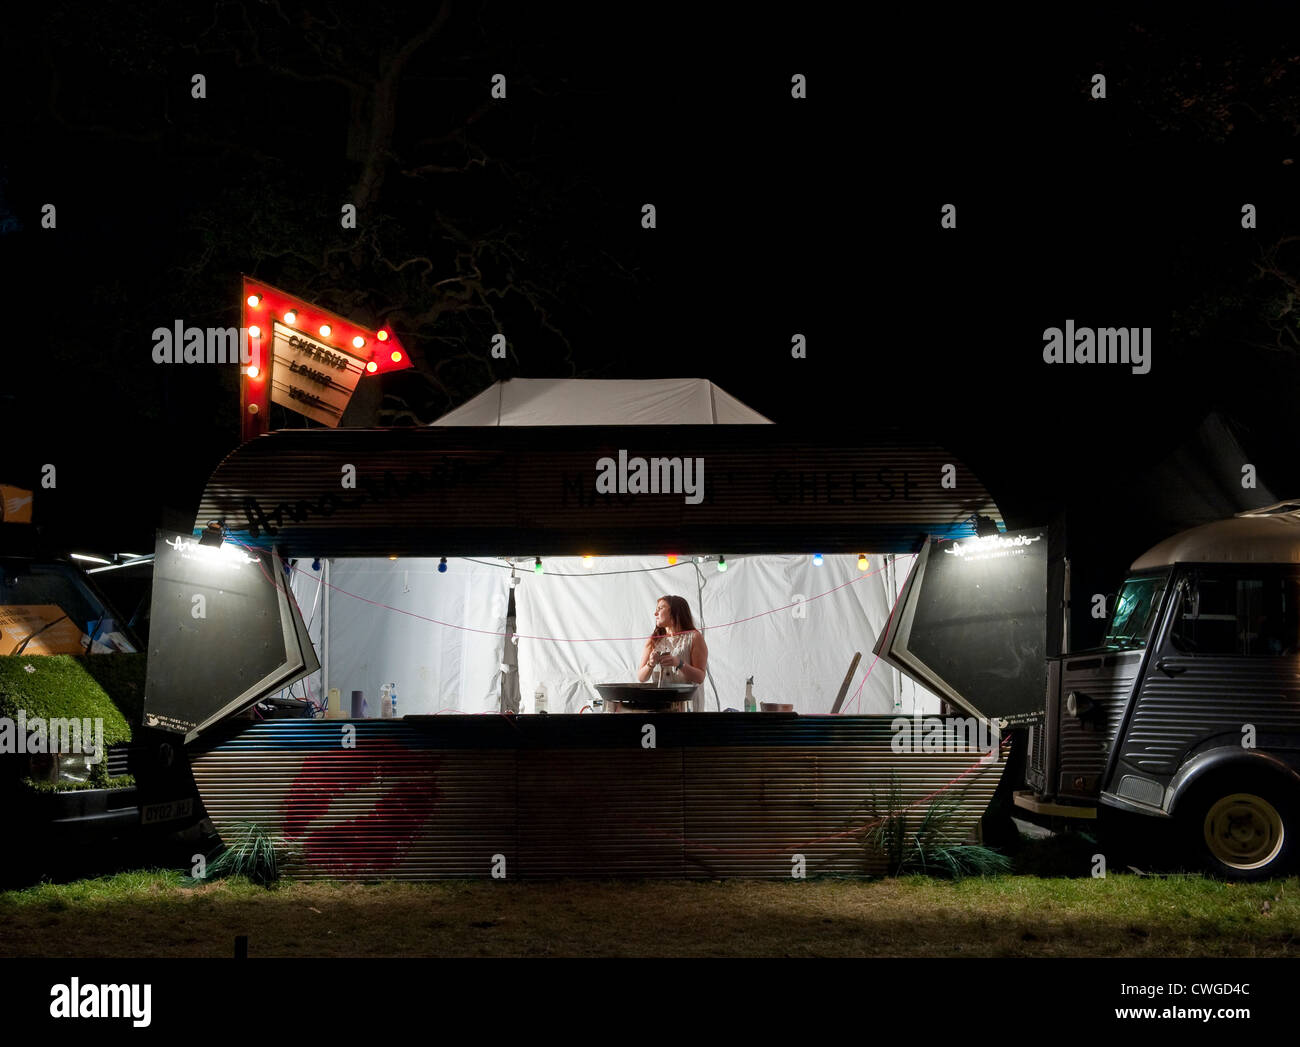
(1079, 705)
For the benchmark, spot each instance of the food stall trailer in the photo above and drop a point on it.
(500, 794)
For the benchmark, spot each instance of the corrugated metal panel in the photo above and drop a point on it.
(391, 807)
(1085, 746)
(752, 812)
(1207, 696)
(1041, 757)
(735, 795)
(467, 491)
(1036, 758)
(600, 812)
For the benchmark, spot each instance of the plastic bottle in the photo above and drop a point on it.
(539, 699)
(751, 706)
(385, 703)
(392, 700)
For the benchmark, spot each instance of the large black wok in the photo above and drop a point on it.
(645, 693)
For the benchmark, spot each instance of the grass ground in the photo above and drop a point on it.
(146, 914)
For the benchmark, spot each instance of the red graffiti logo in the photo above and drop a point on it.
(340, 781)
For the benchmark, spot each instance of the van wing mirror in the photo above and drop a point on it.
(225, 632)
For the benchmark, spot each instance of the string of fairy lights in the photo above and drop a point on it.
(564, 639)
(589, 562)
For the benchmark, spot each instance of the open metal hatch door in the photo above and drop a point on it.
(225, 632)
(971, 624)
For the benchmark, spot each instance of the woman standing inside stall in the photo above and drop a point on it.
(676, 648)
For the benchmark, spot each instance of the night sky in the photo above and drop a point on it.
(775, 215)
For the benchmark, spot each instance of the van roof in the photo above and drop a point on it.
(1268, 535)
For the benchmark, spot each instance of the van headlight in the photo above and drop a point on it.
(73, 767)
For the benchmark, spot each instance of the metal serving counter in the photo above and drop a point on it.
(657, 795)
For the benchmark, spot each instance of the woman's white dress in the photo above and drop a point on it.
(679, 646)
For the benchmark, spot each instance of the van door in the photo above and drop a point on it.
(225, 632)
(1228, 662)
(971, 624)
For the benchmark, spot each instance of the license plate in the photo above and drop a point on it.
(166, 812)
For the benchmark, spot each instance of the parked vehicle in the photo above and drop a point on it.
(1189, 711)
(65, 658)
(1191, 708)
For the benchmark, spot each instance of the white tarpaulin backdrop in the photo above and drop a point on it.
(796, 654)
(382, 628)
(579, 626)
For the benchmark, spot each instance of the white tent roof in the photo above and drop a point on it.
(585, 401)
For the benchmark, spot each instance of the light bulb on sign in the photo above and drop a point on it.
(537, 566)
(325, 330)
(442, 566)
(722, 562)
(589, 562)
(862, 561)
(396, 356)
(358, 342)
(372, 367)
(291, 317)
(817, 559)
(254, 331)
(254, 300)
(672, 559)
(382, 335)
(253, 371)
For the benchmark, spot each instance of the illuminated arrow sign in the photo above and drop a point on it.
(306, 358)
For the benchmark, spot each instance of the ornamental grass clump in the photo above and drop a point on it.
(923, 841)
(250, 851)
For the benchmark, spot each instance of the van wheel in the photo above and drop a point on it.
(1241, 830)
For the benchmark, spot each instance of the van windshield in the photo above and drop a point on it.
(1135, 612)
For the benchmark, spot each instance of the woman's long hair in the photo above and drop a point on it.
(681, 612)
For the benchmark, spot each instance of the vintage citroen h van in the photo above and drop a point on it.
(1191, 708)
